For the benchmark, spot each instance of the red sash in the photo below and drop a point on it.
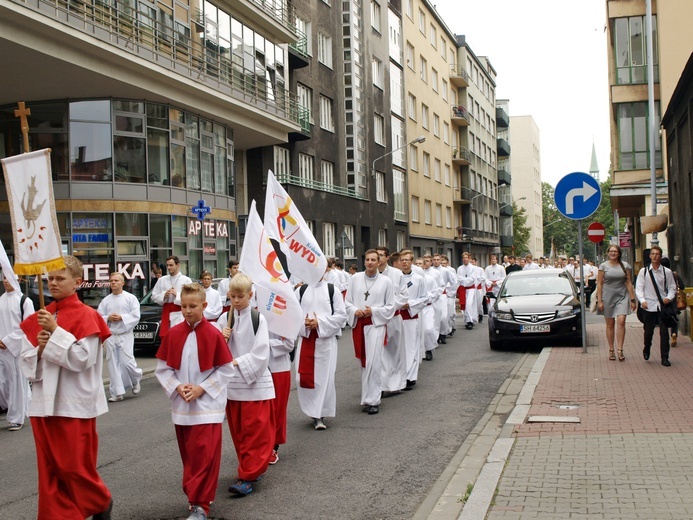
(306, 362)
(462, 296)
(166, 319)
(212, 350)
(359, 338)
(78, 319)
(406, 315)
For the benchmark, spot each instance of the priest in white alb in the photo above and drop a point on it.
(467, 292)
(370, 304)
(411, 312)
(167, 291)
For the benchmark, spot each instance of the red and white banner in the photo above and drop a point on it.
(35, 229)
(285, 224)
(274, 294)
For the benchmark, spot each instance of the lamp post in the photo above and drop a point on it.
(419, 139)
(511, 203)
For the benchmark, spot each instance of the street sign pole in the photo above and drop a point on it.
(582, 292)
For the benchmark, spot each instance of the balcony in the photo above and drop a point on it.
(504, 177)
(463, 195)
(506, 210)
(506, 241)
(467, 235)
(298, 52)
(458, 76)
(461, 156)
(502, 119)
(319, 186)
(276, 17)
(460, 115)
(503, 148)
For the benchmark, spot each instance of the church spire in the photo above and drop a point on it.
(594, 168)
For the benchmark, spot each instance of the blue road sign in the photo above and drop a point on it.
(577, 195)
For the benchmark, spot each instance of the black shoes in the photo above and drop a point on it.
(410, 385)
(666, 362)
(481, 318)
(646, 354)
(469, 326)
(429, 355)
(442, 340)
(372, 410)
(452, 333)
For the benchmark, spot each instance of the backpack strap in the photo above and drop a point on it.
(254, 318)
(330, 292)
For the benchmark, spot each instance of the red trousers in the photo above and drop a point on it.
(282, 388)
(200, 451)
(252, 430)
(66, 453)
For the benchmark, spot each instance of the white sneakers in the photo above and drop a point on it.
(136, 389)
(115, 398)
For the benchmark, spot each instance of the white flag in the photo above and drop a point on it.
(274, 294)
(32, 208)
(7, 270)
(285, 224)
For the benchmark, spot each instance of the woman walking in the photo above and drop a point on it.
(614, 289)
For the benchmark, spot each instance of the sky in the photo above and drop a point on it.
(550, 60)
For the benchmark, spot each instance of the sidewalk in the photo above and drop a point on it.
(630, 456)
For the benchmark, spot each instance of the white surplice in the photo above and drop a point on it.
(14, 387)
(321, 401)
(428, 314)
(165, 283)
(394, 355)
(466, 276)
(378, 293)
(494, 273)
(412, 341)
(122, 366)
(214, 307)
(210, 407)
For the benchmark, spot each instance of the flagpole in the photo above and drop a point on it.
(21, 113)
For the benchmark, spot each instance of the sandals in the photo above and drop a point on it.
(621, 357)
(612, 356)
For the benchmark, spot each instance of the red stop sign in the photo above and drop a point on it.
(596, 232)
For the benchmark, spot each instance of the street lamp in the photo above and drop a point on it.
(511, 203)
(419, 139)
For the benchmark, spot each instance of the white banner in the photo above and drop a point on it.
(7, 270)
(285, 224)
(34, 225)
(274, 294)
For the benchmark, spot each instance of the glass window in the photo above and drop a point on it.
(131, 225)
(159, 231)
(157, 156)
(90, 151)
(129, 156)
(91, 111)
(192, 152)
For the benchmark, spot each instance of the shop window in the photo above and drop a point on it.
(159, 231)
(131, 225)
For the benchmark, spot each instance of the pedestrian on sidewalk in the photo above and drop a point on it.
(615, 298)
(650, 296)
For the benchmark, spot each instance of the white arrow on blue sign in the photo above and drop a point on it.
(577, 195)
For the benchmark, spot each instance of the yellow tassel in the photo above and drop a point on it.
(47, 266)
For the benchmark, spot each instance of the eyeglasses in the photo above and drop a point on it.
(655, 254)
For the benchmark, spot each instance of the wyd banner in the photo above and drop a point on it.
(273, 292)
(285, 224)
(32, 208)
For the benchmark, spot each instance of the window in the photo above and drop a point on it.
(401, 240)
(436, 125)
(424, 69)
(305, 27)
(410, 9)
(446, 132)
(382, 237)
(329, 238)
(380, 191)
(422, 21)
(349, 232)
(399, 192)
(411, 106)
(434, 79)
(377, 72)
(433, 34)
(424, 116)
(325, 50)
(446, 174)
(305, 167)
(443, 45)
(326, 118)
(305, 99)
(414, 208)
(414, 158)
(444, 93)
(630, 50)
(327, 173)
(427, 164)
(448, 217)
(439, 215)
(379, 129)
(282, 161)
(396, 90)
(436, 169)
(375, 15)
(633, 136)
(427, 212)
(410, 56)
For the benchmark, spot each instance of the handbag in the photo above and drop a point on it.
(681, 300)
(640, 313)
(668, 311)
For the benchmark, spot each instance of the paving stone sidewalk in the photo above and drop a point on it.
(631, 454)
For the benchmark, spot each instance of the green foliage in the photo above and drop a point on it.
(520, 230)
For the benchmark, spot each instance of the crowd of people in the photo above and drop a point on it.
(219, 361)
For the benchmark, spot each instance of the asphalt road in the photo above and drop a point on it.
(361, 467)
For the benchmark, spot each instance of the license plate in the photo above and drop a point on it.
(144, 335)
(535, 328)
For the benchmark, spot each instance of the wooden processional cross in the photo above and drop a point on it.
(21, 113)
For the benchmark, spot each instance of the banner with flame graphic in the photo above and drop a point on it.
(274, 294)
(34, 225)
(285, 224)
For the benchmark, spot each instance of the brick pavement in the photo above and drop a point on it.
(630, 457)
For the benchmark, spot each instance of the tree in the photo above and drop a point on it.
(520, 230)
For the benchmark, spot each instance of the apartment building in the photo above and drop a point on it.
(526, 165)
(149, 108)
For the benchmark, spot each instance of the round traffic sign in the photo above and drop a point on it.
(596, 232)
(577, 195)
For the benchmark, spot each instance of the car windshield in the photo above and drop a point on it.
(526, 286)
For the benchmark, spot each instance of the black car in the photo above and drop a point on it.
(541, 306)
